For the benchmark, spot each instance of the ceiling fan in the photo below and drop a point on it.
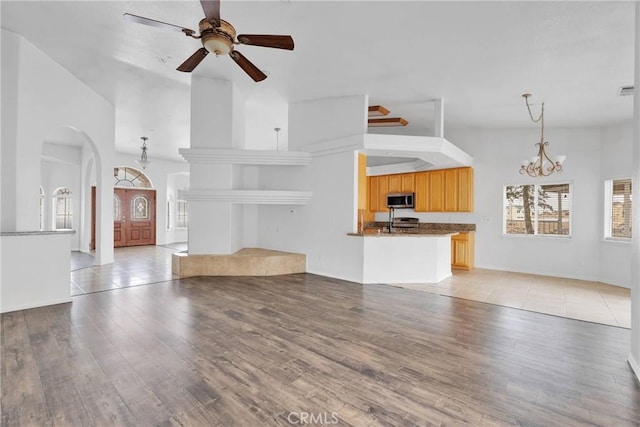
(219, 37)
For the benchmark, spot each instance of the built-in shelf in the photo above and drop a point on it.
(249, 197)
(245, 157)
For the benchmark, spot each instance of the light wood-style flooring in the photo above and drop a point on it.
(272, 351)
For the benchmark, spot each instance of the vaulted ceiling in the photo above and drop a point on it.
(478, 56)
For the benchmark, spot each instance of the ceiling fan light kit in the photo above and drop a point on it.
(219, 37)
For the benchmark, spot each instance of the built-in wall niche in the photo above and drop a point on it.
(214, 156)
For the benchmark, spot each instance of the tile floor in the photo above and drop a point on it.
(575, 299)
(133, 266)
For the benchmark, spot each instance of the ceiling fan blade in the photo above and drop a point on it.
(158, 24)
(211, 10)
(266, 40)
(193, 61)
(248, 67)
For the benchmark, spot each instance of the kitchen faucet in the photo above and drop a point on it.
(391, 217)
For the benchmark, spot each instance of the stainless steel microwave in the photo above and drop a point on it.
(400, 200)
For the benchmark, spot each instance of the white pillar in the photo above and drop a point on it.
(634, 356)
(217, 122)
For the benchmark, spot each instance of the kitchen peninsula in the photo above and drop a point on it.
(420, 256)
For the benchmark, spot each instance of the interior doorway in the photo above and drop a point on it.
(134, 209)
(134, 217)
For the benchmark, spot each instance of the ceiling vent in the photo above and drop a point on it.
(625, 90)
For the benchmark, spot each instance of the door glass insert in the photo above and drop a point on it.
(116, 207)
(139, 207)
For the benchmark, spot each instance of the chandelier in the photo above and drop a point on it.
(543, 164)
(144, 161)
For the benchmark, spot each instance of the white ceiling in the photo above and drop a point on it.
(478, 56)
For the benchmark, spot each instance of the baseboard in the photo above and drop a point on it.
(10, 308)
(542, 273)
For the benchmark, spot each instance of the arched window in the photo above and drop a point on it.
(130, 177)
(62, 203)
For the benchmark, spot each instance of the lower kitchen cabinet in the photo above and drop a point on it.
(462, 250)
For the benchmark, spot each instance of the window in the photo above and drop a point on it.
(116, 208)
(617, 208)
(182, 213)
(538, 209)
(124, 176)
(139, 208)
(41, 209)
(62, 203)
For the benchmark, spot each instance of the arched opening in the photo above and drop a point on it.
(134, 208)
(71, 160)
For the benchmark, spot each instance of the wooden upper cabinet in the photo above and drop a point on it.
(383, 189)
(465, 190)
(395, 183)
(444, 190)
(421, 183)
(378, 189)
(407, 183)
(373, 182)
(436, 191)
(451, 190)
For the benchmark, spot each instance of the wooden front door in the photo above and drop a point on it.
(136, 224)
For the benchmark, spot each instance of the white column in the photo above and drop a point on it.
(217, 118)
(634, 356)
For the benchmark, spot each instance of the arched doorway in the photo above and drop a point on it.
(134, 208)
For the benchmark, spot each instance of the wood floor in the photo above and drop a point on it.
(307, 350)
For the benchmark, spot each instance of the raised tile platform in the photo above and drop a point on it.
(245, 262)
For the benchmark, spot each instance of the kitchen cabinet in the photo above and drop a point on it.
(378, 189)
(421, 182)
(463, 250)
(465, 190)
(444, 190)
(362, 181)
(401, 183)
(436, 191)
(395, 183)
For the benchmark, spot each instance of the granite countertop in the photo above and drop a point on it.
(424, 229)
(373, 232)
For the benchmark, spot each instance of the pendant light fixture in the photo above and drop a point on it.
(144, 161)
(542, 164)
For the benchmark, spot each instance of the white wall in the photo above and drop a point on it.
(318, 229)
(49, 97)
(615, 256)
(497, 156)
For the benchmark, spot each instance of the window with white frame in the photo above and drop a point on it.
(41, 209)
(617, 208)
(182, 213)
(62, 205)
(538, 209)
